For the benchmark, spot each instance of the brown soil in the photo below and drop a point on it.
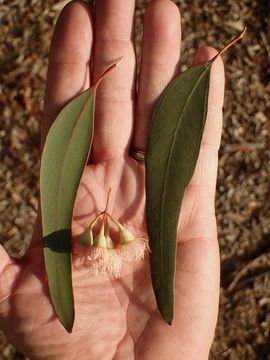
(243, 196)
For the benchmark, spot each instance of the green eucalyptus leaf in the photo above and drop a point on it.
(64, 156)
(173, 148)
(63, 159)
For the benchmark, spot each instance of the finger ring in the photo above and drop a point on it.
(138, 155)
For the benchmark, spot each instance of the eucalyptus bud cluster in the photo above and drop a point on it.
(102, 253)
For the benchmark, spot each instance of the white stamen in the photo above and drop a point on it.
(133, 251)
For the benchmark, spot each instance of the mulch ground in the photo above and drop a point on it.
(243, 189)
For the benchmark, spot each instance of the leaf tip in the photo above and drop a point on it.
(69, 329)
(233, 41)
(166, 313)
(68, 325)
(109, 69)
(118, 62)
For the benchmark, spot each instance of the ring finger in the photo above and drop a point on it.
(160, 62)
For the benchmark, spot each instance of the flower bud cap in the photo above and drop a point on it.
(100, 240)
(125, 236)
(109, 241)
(86, 239)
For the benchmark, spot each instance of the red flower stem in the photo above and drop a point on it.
(107, 201)
(105, 214)
(114, 221)
(95, 220)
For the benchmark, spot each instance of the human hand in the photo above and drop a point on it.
(118, 318)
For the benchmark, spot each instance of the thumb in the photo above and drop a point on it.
(9, 270)
(4, 259)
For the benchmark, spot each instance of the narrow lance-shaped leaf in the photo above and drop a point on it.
(65, 154)
(173, 148)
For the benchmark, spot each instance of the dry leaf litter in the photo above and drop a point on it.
(243, 189)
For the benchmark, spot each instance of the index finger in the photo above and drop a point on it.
(68, 72)
(70, 54)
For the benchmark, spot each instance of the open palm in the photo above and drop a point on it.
(118, 318)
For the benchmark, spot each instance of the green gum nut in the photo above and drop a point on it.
(109, 241)
(110, 244)
(86, 238)
(100, 240)
(125, 235)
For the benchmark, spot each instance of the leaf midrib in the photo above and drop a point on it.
(58, 272)
(65, 155)
(62, 287)
(179, 125)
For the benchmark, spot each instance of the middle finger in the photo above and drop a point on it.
(114, 34)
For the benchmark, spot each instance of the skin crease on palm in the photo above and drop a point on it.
(118, 318)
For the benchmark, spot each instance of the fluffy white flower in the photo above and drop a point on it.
(133, 250)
